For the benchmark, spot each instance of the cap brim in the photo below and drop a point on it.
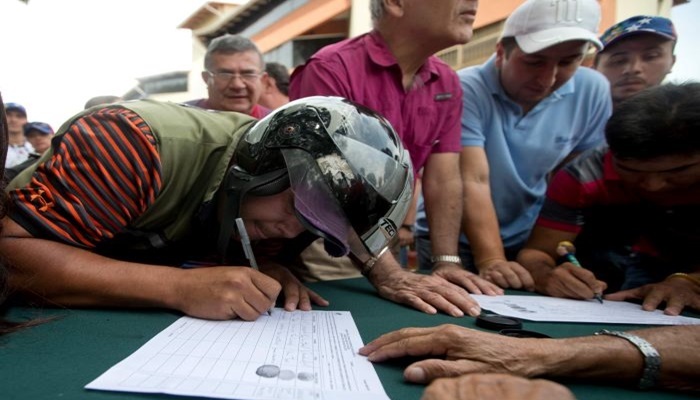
(16, 109)
(40, 130)
(534, 42)
(637, 32)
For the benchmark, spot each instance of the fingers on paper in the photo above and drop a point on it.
(676, 298)
(653, 295)
(404, 342)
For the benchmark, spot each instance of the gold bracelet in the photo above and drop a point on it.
(685, 276)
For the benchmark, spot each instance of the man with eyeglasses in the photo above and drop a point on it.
(233, 68)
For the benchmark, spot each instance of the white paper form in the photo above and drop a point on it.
(542, 308)
(286, 355)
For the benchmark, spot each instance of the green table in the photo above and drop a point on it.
(56, 359)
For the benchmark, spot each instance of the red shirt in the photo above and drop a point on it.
(84, 200)
(589, 190)
(363, 69)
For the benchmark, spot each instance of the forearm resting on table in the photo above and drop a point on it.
(614, 359)
(57, 273)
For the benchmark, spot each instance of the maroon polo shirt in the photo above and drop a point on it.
(427, 117)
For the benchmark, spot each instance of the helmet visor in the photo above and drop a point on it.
(319, 211)
(313, 201)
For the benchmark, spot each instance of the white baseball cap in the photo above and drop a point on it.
(538, 24)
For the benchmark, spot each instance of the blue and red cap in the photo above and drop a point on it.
(639, 24)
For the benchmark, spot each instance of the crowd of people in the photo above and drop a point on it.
(488, 169)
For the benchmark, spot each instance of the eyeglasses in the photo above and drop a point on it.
(224, 77)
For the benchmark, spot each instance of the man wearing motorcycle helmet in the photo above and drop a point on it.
(131, 189)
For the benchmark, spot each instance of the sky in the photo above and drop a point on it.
(56, 54)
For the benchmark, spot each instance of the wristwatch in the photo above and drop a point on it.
(446, 258)
(652, 359)
(407, 226)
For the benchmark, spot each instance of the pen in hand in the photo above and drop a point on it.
(567, 249)
(247, 248)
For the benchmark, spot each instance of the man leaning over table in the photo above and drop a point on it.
(393, 70)
(526, 110)
(129, 190)
(632, 209)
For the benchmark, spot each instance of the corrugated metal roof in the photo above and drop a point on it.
(207, 12)
(237, 20)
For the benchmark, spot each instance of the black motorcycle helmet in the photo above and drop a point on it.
(351, 177)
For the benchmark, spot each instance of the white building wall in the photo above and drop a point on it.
(629, 8)
(196, 88)
(360, 18)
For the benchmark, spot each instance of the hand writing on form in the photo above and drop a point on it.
(567, 249)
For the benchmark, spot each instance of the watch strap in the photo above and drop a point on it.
(652, 359)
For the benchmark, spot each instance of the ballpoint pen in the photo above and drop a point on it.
(566, 249)
(248, 249)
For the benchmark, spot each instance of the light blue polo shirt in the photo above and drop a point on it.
(523, 150)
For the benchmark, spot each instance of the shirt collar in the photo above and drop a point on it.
(380, 54)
